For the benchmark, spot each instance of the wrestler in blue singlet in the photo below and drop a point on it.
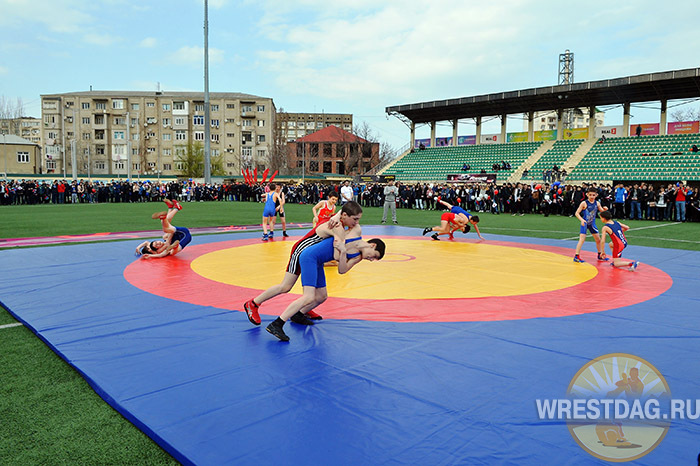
(589, 214)
(269, 210)
(182, 235)
(312, 259)
(458, 210)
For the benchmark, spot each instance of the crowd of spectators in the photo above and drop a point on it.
(673, 202)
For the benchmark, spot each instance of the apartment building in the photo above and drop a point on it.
(572, 118)
(28, 128)
(107, 129)
(297, 125)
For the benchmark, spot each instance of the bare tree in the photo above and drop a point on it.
(689, 114)
(278, 150)
(11, 115)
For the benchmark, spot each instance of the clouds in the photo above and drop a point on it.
(194, 56)
(148, 42)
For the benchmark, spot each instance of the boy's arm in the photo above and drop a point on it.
(476, 227)
(138, 248)
(315, 208)
(446, 204)
(604, 233)
(344, 265)
(167, 251)
(337, 232)
(600, 207)
(581, 206)
(624, 227)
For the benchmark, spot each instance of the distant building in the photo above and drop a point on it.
(19, 156)
(332, 150)
(153, 128)
(547, 120)
(28, 128)
(296, 125)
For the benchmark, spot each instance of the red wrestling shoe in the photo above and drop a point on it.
(158, 215)
(313, 316)
(169, 203)
(251, 309)
(176, 204)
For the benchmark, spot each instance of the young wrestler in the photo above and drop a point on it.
(313, 278)
(279, 210)
(618, 242)
(348, 217)
(270, 212)
(589, 208)
(462, 217)
(324, 210)
(175, 238)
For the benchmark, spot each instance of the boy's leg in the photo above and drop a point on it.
(167, 226)
(581, 240)
(598, 246)
(287, 283)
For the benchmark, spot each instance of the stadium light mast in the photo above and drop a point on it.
(207, 124)
(566, 76)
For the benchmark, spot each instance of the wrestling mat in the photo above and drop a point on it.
(441, 353)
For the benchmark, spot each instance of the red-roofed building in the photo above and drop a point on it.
(332, 150)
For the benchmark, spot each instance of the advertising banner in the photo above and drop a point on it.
(425, 142)
(442, 142)
(491, 139)
(648, 129)
(608, 131)
(683, 127)
(517, 137)
(546, 135)
(374, 178)
(576, 133)
(466, 140)
(473, 178)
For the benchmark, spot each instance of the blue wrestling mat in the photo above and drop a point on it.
(169, 348)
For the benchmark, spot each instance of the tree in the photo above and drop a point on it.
(689, 114)
(11, 115)
(192, 160)
(277, 156)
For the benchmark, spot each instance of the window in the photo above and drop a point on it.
(99, 119)
(118, 135)
(70, 104)
(135, 136)
(119, 165)
(86, 136)
(134, 152)
(247, 123)
(150, 134)
(178, 105)
(214, 137)
(86, 120)
(246, 108)
(309, 125)
(199, 135)
(215, 152)
(86, 151)
(261, 138)
(49, 119)
(151, 165)
(166, 107)
(50, 165)
(261, 108)
(229, 135)
(167, 137)
(327, 167)
(167, 152)
(214, 123)
(179, 121)
(230, 120)
(99, 165)
(22, 157)
(85, 105)
(230, 106)
(119, 149)
(134, 121)
(313, 166)
(52, 134)
(167, 166)
(179, 151)
(198, 120)
(150, 104)
(118, 104)
(214, 108)
(100, 105)
(150, 149)
(137, 166)
(69, 134)
(100, 150)
(166, 122)
(261, 123)
(247, 152)
(198, 107)
(179, 166)
(180, 135)
(134, 106)
(261, 154)
(119, 120)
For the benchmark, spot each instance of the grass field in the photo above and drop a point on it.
(49, 413)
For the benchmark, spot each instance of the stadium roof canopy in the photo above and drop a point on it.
(667, 85)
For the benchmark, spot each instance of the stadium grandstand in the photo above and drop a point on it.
(656, 151)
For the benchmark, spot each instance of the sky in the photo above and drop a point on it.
(357, 56)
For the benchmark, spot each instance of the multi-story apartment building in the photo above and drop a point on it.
(297, 125)
(28, 128)
(152, 129)
(573, 118)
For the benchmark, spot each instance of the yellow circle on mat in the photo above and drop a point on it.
(411, 269)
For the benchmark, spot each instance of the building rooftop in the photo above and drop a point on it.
(331, 134)
(118, 94)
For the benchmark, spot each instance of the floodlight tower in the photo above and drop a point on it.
(566, 76)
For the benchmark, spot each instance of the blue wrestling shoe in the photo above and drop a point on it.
(602, 259)
(633, 266)
(271, 234)
(578, 259)
(265, 237)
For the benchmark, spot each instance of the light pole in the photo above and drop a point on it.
(207, 124)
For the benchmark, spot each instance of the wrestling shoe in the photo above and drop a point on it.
(633, 266)
(435, 237)
(602, 259)
(313, 316)
(301, 319)
(578, 259)
(169, 203)
(275, 328)
(426, 230)
(284, 233)
(176, 205)
(271, 234)
(265, 237)
(158, 215)
(251, 309)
